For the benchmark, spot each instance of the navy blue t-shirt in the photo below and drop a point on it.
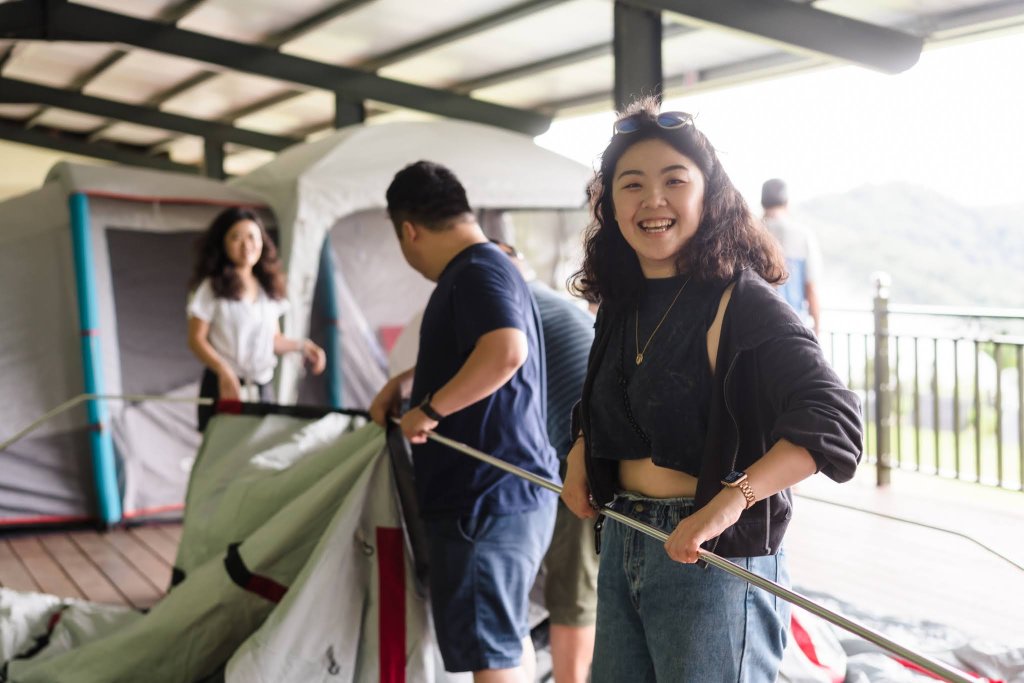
(478, 292)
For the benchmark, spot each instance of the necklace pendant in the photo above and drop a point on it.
(639, 358)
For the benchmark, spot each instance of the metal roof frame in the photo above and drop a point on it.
(459, 32)
(63, 141)
(808, 37)
(12, 90)
(802, 27)
(62, 20)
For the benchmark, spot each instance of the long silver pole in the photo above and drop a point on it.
(941, 670)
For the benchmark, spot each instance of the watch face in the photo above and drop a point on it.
(733, 477)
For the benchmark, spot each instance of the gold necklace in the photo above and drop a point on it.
(640, 352)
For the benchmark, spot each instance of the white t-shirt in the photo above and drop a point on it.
(803, 261)
(240, 331)
(798, 244)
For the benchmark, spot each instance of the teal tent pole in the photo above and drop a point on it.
(103, 466)
(329, 297)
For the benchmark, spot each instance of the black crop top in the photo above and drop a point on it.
(659, 408)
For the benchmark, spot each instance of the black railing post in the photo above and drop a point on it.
(883, 380)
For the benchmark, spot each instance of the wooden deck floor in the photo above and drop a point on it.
(891, 568)
(122, 567)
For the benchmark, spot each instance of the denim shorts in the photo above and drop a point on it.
(481, 572)
(661, 620)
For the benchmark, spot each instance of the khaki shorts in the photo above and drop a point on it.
(570, 585)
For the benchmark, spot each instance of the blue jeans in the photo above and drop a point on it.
(660, 620)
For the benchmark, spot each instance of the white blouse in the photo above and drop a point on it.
(241, 332)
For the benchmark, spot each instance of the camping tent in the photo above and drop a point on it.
(94, 267)
(353, 291)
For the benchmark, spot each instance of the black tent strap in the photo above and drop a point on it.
(177, 576)
(307, 412)
(44, 638)
(263, 586)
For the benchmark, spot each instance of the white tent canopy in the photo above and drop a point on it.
(313, 187)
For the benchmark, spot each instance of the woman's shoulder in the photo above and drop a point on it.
(756, 310)
(203, 291)
(750, 289)
(202, 301)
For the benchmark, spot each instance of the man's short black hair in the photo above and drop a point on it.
(428, 194)
(774, 193)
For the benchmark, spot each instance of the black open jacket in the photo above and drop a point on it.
(771, 382)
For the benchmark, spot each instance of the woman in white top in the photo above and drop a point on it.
(233, 316)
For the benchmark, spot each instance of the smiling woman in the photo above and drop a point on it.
(705, 400)
(233, 316)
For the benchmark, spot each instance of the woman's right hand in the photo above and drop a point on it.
(575, 489)
(228, 386)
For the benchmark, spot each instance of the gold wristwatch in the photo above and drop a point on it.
(738, 480)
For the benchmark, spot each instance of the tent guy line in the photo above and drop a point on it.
(943, 671)
(82, 398)
(932, 527)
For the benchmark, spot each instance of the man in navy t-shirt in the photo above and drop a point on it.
(479, 379)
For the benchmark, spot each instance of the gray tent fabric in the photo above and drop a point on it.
(142, 230)
(373, 288)
(46, 475)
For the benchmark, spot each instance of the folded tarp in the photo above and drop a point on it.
(818, 652)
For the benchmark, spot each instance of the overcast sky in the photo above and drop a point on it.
(953, 123)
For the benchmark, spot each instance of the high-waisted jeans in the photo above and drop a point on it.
(661, 620)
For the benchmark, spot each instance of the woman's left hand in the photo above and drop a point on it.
(718, 515)
(314, 356)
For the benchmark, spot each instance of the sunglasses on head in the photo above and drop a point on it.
(666, 119)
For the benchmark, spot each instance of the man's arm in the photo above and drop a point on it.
(495, 358)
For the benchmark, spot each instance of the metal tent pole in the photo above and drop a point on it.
(943, 671)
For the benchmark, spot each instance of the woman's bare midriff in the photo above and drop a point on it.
(646, 478)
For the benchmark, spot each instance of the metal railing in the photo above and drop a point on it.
(942, 388)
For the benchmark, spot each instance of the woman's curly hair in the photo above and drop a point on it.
(212, 260)
(729, 237)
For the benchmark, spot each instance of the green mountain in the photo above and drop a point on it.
(936, 251)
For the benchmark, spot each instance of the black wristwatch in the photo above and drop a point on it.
(428, 409)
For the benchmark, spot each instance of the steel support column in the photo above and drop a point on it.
(213, 158)
(347, 112)
(637, 48)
